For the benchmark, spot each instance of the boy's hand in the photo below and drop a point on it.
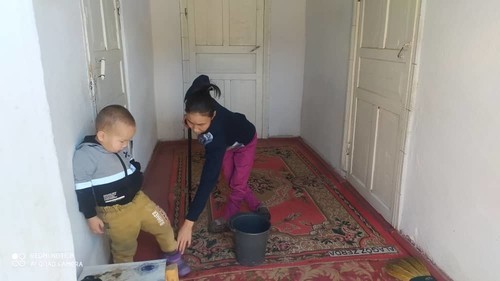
(96, 225)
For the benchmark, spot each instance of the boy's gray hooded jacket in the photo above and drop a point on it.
(104, 178)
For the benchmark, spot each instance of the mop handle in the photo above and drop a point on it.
(189, 167)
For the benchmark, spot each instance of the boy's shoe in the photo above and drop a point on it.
(182, 266)
(218, 225)
(263, 211)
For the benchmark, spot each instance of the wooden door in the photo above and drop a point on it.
(383, 67)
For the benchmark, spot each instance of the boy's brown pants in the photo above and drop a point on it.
(123, 222)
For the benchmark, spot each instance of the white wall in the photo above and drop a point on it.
(36, 230)
(66, 84)
(287, 51)
(138, 48)
(328, 31)
(165, 21)
(286, 74)
(71, 111)
(451, 189)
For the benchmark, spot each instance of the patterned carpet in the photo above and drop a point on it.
(319, 230)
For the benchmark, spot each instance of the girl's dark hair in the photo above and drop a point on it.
(200, 101)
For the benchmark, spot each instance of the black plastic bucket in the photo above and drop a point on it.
(251, 232)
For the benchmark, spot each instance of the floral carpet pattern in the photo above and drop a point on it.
(349, 270)
(318, 232)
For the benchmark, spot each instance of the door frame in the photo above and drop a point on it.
(265, 63)
(408, 115)
(265, 69)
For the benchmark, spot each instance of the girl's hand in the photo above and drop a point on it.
(184, 235)
(96, 225)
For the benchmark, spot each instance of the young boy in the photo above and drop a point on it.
(108, 182)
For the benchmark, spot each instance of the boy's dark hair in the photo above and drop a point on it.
(198, 98)
(109, 115)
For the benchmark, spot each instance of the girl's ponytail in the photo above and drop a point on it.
(198, 98)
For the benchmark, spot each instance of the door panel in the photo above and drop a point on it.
(399, 28)
(386, 143)
(208, 22)
(383, 70)
(95, 31)
(222, 87)
(111, 89)
(226, 63)
(242, 94)
(382, 78)
(362, 148)
(242, 23)
(373, 18)
(225, 40)
(112, 25)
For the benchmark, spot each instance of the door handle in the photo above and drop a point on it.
(103, 69)
(401, 51)
(255, 48)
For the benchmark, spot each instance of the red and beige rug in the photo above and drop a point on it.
(319, 229)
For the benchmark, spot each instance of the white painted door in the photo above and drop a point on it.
(383, 67)
(102, 29)
(224, 40)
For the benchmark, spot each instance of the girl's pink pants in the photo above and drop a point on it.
(236, 167)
